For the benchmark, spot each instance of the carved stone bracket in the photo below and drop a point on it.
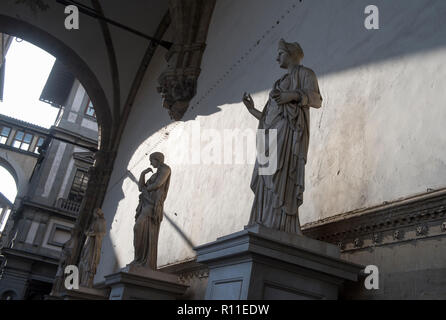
(178, 83)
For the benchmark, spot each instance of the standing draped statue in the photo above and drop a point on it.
(91, 251)
(149, 212)
(278, 196)
(67, 249)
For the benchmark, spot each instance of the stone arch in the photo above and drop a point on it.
(74, 63)
(8, 295)
(17, 173)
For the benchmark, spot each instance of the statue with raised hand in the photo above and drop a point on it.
(279, 195)
(149, 212)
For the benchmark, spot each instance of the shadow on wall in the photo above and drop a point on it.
(334, 39)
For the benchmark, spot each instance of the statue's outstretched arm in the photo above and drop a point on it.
(249, 103)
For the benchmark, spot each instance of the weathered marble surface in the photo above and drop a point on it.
(279, 194)
(59, 281)
(91, 251)
(149, 212)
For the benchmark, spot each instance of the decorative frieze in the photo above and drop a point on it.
(398, 235)
(187, 277)
(377, 238)
(187, 271)
(422, 230)
(409, 219)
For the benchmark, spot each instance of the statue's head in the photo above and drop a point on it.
(156, 159)
(289, 54)
(99, 213)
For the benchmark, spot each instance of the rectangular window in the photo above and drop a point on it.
(39, 144)
(4, 134)
(89, 110)
(79, 186)
(22, 140)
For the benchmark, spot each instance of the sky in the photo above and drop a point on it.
(7, 184)
(27, 70)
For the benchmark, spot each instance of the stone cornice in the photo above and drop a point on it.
(187, 270)
(53, 210)
(8, 252)
(26, 153)
(27, 126)
(417, 217)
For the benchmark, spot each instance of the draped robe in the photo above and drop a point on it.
(91, 251)
(149, 215)
(279, 196)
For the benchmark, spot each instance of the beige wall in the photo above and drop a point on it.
(22, 165)
(378, 137)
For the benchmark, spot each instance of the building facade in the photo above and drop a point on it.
(43, 218)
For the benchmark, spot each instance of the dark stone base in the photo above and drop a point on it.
(136, 283)
(264, 264)
(86, 294)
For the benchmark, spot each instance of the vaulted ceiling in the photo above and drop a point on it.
(105, 58)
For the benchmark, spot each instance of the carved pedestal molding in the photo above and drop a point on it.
(178, 83)
(418, 217)
(262, 264)
(139, 283)
(84, 293)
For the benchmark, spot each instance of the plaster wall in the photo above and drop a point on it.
(410, 270)
(378, 136)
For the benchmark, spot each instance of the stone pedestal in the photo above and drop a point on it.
(52, 297)
(85, 294)
(136, 283)
(264, 264)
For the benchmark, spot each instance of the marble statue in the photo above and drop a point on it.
(91, 251)
(149, 212)
(67, 249)
(279, 196)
